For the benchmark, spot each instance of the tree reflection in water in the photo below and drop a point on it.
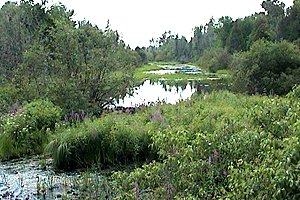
(168, 91)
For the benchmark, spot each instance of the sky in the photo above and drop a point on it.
(138, 21)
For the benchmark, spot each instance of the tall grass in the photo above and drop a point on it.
(110, 141)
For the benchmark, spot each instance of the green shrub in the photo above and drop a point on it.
(25, 132)
(221, 146)
(295, 93)
(274, 172)
(109, 141)
(268, 67)
(44, 114)
(194, 162)
(216, 146)
(215, 59)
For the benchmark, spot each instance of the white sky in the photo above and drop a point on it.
(139, 20)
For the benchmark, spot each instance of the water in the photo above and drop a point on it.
(173, 69)
(168, 91)
(25, 179)
(17, 181)
(165, 91)
(162, 71)
(150, 92)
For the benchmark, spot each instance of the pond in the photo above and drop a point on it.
(167, 91)
(25, 178)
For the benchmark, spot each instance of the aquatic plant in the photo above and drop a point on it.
(113, 140)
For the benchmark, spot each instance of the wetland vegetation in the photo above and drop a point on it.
(63, 134)
(177, 71)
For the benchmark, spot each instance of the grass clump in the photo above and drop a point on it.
(110, 141)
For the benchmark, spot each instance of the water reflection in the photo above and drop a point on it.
(167, 91)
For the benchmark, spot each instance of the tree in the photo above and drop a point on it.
(196, 41)
(239, 39)
(290, 25)
(142, 54)
(11, 38)
(275, 12)
(182, 50)
(20, 26)
(44, 54)
(223, 30)
(215, 59)
(274, 8)
(261, 29)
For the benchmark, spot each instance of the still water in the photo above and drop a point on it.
(169, 91)
(19, 179)
(173, 69)
(150, 92)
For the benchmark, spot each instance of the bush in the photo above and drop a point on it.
(43, 114)
(274, 172)
(25, 132)
(215, 59)
(221, 146)
(295, 94)
(111, 141)
(272, 68)
(216, 146)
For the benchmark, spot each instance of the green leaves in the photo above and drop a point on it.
(222, 146)
(26, 131)
(44, 54)
(268, 68)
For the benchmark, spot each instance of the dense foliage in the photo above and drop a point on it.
(214, 146)
(274, 24)
(267, 68)
(222, 146)
(26, 131)
(45, 54)
(215, 59)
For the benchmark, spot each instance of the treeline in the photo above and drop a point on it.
(276, 23)
(44, 54)
(220, 44)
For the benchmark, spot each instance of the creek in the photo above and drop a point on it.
(34, 178)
